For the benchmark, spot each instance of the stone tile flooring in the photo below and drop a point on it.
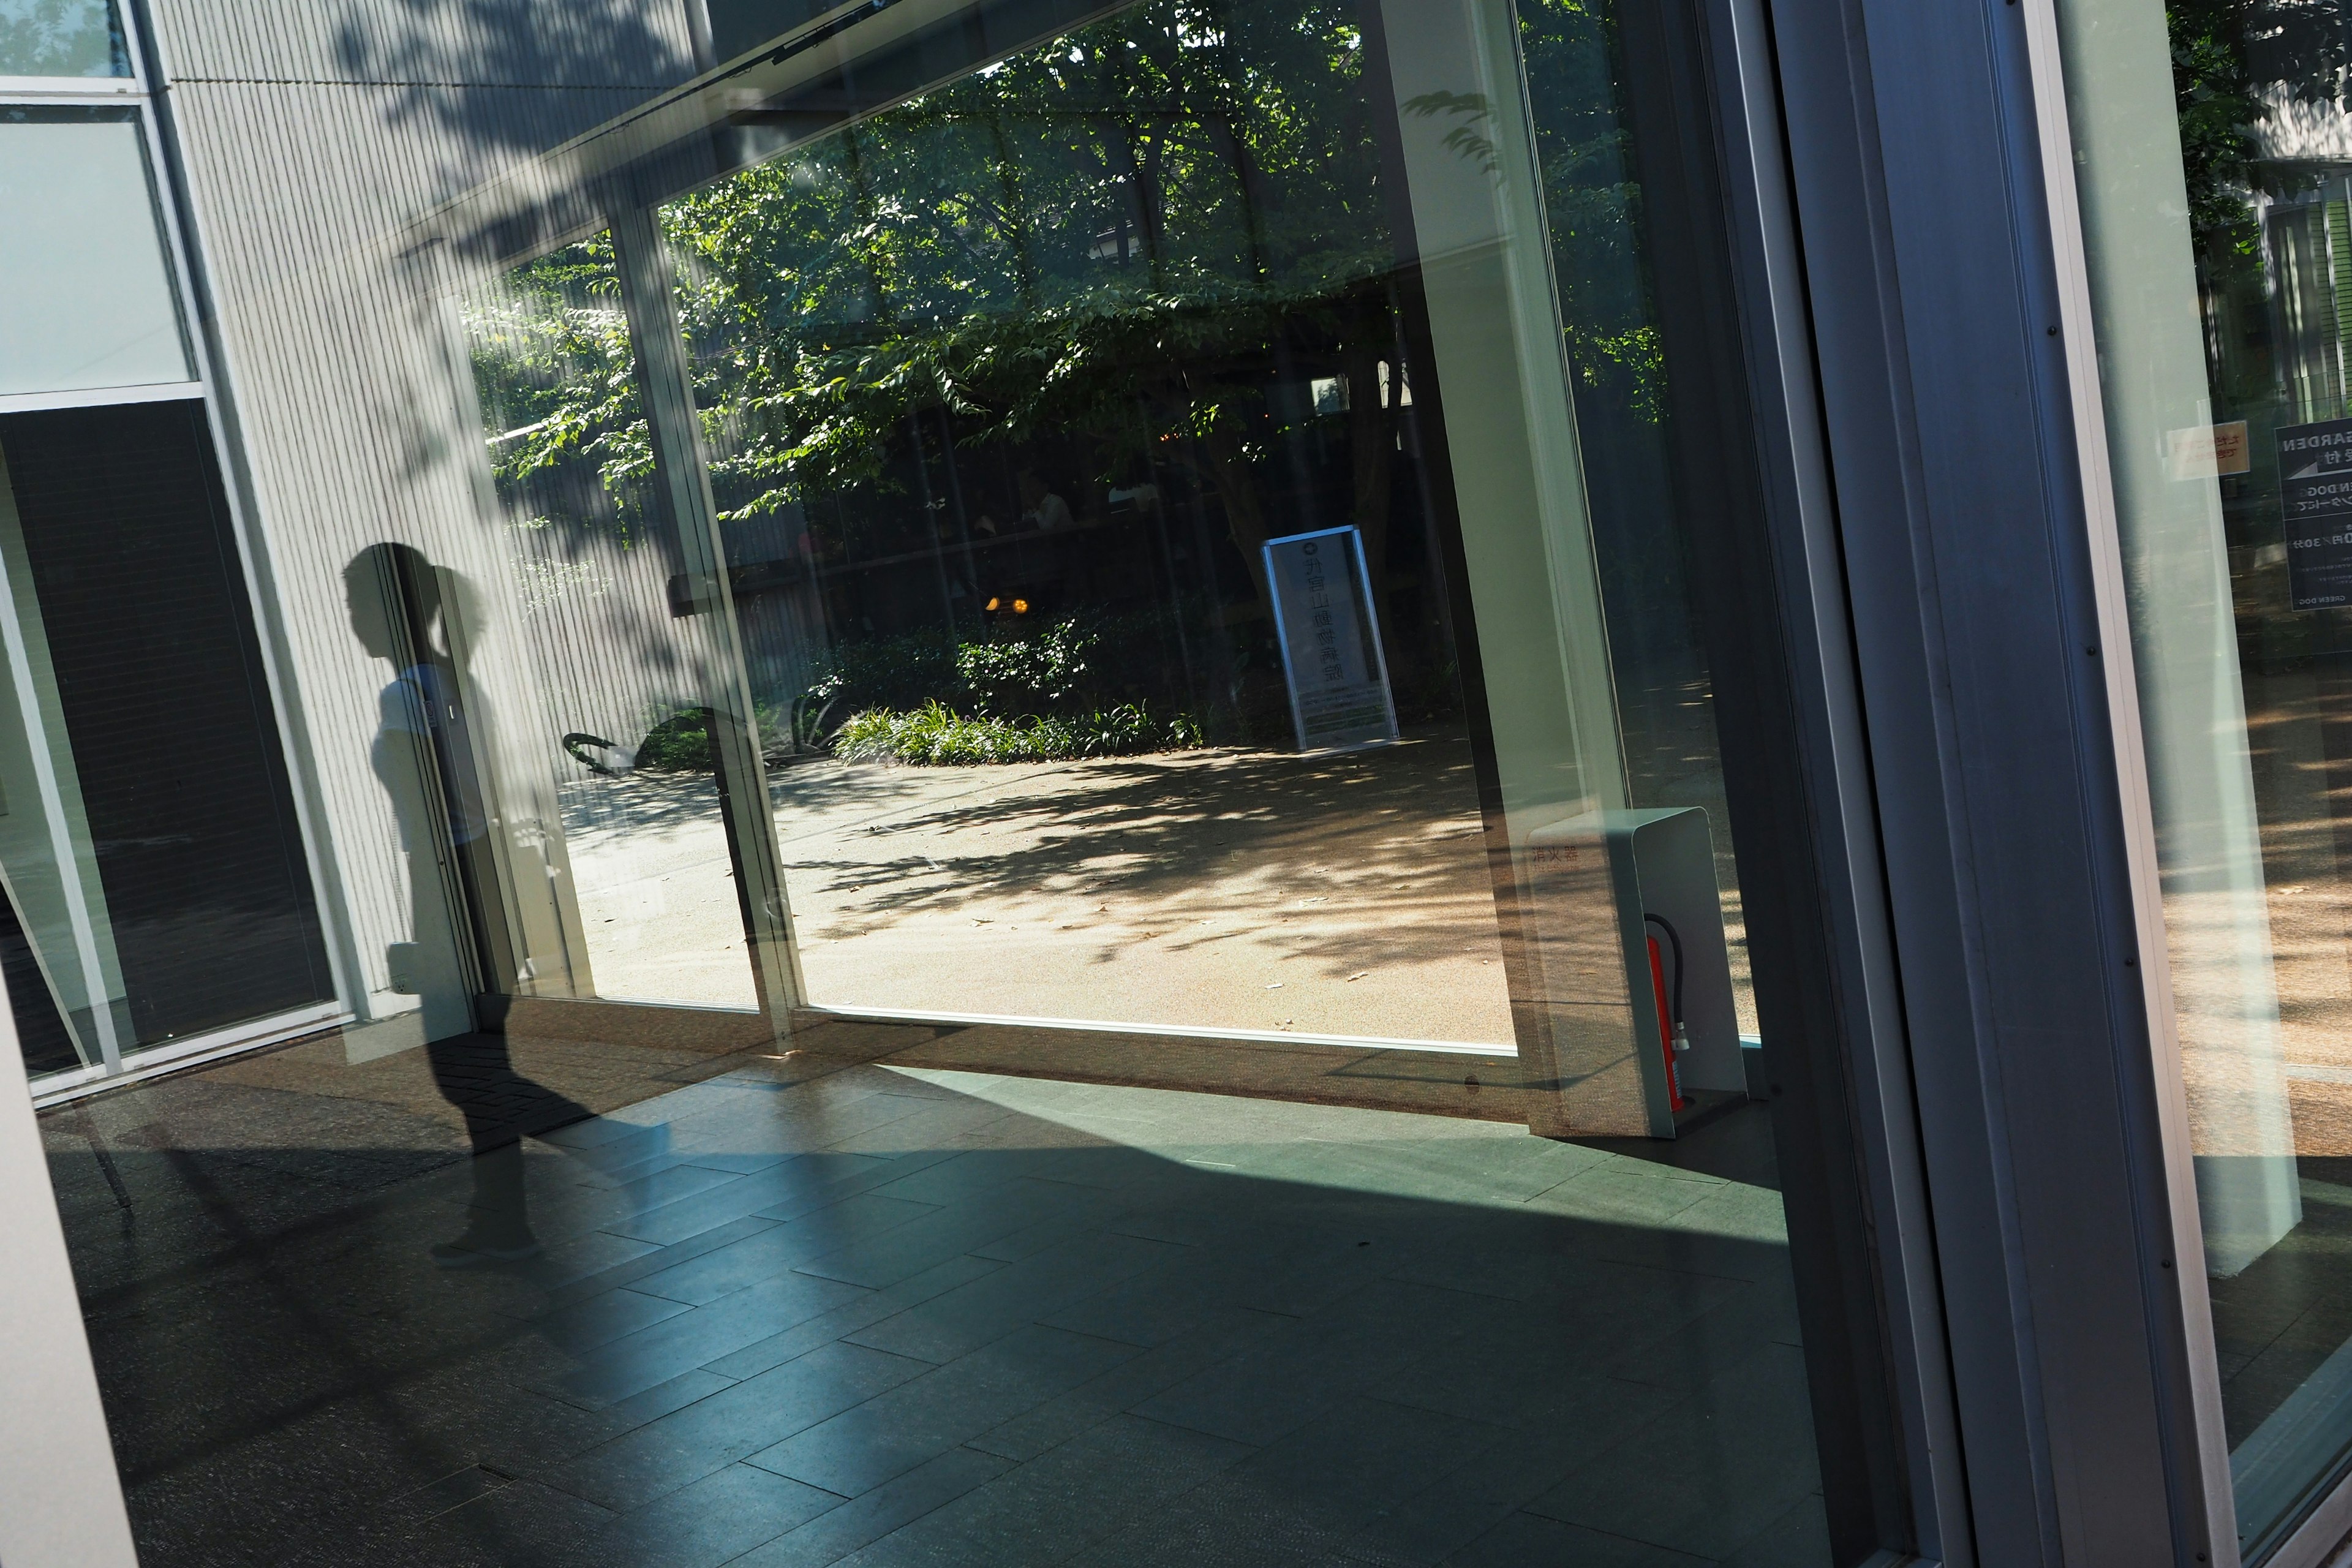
(875, 1315)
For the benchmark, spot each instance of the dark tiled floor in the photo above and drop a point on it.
(887, 1316)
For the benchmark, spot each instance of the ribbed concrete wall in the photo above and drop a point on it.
(313, 136)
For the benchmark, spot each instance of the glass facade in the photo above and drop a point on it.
(159, 896)
(62, 39)
(85, 260)
(899, 782)
(2212, 144)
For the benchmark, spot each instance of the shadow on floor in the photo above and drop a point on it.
(802, 1313)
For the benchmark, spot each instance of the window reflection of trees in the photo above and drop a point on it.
(1151, 257)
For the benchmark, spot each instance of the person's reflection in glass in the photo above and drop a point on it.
(424, 756)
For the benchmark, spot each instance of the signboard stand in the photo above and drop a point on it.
(1329, 633)
(2316, 496)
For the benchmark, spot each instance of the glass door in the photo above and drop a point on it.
(1109, 558)
(2214, 146)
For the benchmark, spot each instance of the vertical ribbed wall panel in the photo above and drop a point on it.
(311, 138)
(551, 50)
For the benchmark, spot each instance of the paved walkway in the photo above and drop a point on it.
(1339, 895)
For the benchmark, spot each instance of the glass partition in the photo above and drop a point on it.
(62, 39)
(2213, 146)
(151, 857)
(93, 301)
(996, 700)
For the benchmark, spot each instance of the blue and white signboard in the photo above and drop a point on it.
(1330, 637)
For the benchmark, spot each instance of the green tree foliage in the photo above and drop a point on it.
(935, 735)
(557, 378)
(1103, 237)
(2232, 62)
(1109, 236)
(2212, 87)
(1592, 200)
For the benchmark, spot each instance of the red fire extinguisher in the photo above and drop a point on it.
(1674, 1038)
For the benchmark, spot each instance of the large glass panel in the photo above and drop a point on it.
(89, 297)
(153, 865)
(998, 540)
(996, 702)
(1002, 474)
(601, 557)
(2215, 143)
(61, 37)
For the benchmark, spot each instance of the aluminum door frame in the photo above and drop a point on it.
(1994, 674)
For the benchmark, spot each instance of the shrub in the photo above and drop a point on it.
(901, 672)
(1045, 672)
(935, 735)
(679, 743)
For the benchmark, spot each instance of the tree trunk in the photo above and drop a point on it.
(1229, 475)
(1371, 447)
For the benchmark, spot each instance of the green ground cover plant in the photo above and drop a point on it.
(936, 735)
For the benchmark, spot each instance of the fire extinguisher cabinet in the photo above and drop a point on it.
(1597, 1053)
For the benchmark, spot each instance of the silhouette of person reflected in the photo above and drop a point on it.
(424, 755)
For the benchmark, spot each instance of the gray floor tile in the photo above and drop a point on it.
(995, 1305)
(856, 1313)
(1366, 1340)
(835, 1534)
(724, 1201)
(732, 1424)
(1798, 1539)
(891, 1434)
(638, 1361)
(779, 1246)
(1526, 1541)
(1211, 1341)
(511, 1524)
(643, 1258)
(602, 1319)
(1711, 1473)
(1051, 1508)
(1357, 1338)
(1321, 1494)
(967, 1218)
(715, 1521)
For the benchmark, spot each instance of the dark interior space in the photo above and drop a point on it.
(40, 1028)
(183, 773)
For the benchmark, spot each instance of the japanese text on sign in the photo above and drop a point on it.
(1329, 633)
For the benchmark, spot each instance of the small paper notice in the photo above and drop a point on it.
(2206, 451)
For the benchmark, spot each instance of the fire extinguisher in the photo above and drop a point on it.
(1674, 1036)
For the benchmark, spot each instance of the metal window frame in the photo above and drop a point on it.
(1870, 1094)
(1959, 387)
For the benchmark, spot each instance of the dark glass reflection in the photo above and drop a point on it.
(163, 765)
